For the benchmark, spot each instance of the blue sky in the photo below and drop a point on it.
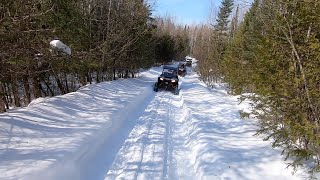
(185, 11)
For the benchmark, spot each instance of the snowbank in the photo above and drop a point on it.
(58, 138)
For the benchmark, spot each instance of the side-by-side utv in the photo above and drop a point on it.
(168, 80)
(189, 61)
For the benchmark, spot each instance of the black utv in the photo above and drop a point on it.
(189, 61)
(168, 80)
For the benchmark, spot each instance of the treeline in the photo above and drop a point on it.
(174, 41)
(210, 42)
(109, 39)
(274, 55)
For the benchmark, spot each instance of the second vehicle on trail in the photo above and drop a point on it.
(168, 80)
(189, 61)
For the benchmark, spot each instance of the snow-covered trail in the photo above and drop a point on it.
(124, 130)
(196, 135)
(145, 154)
(157, 145)
(74, 136)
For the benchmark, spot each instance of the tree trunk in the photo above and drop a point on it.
(89, 78)
(114, 70)
(50, 91)
(99, 76)
(43, 91)
(15, 92)
(26, 89)
(2, 99)
(67, 89)
(6, 95)
(82, 79)
(36, 89)
(59, 83)
(289, 37)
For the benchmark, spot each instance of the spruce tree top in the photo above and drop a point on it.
(223, 16)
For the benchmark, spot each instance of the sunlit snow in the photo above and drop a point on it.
(124, 130)
(60, 46)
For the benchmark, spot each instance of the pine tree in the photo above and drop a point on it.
(102, 34)
(275, 54)
(218, 43)
(222, 24)
(234, 23)
(239, 60)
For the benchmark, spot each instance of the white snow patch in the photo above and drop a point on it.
(38, 100)
(60, 46)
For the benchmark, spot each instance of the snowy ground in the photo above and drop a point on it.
(124, 130)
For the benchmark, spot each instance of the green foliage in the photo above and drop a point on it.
(275, 54)
(181, 46)
(165, 49)
(211, 66)
(225, 10)
(104, 36)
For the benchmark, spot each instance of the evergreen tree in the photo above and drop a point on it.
(275, 54)
(165, 49)
(222, 24)
(234, 23)
(218, 42)
(105, 36)
(239, 59)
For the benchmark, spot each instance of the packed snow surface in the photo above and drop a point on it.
(124, 130)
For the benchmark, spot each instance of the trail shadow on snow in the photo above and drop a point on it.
(222, 144)
(146, 152)
(57, 128)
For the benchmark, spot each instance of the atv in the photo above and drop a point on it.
(168, 80)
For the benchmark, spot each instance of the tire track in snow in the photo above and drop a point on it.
(148, 133)
(167, 143)
(148, 152)
(181, 166)
(159, 136)
(138, 158)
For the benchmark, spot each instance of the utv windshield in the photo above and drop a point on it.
(169, 72)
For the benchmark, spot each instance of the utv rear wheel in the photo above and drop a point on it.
(176, 91)
(155, 87)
